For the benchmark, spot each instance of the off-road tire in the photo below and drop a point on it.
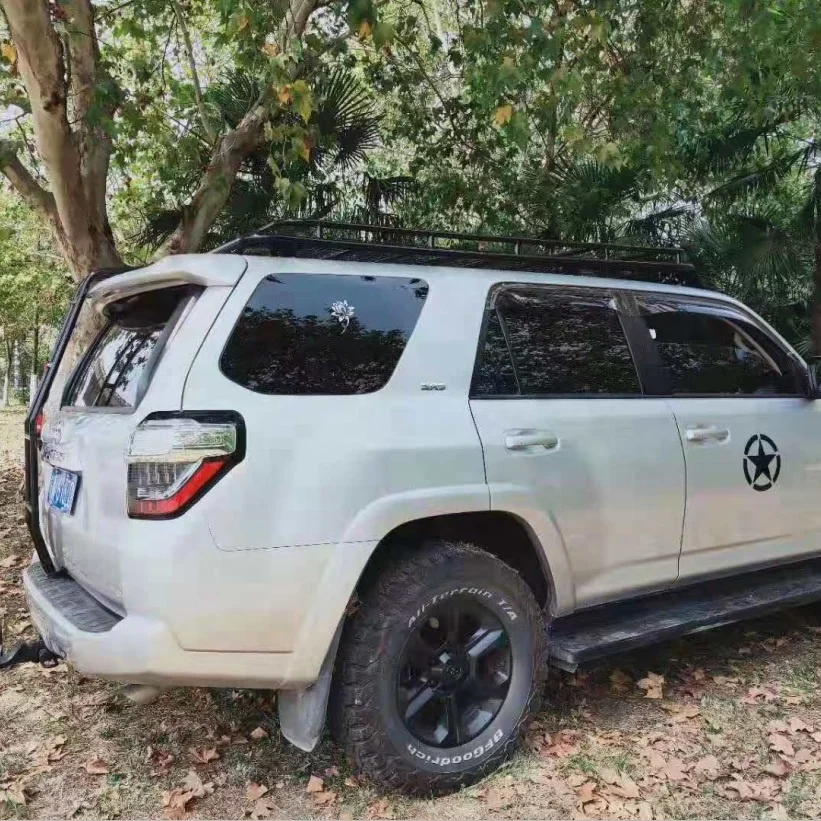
(364, 716)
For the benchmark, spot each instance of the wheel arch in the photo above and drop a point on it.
(500, 533)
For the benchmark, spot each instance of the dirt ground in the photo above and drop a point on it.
(726, 724)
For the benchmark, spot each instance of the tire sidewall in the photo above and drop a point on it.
(504, 602)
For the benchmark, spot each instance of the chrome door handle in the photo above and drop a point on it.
(704, 433)
(528, 439)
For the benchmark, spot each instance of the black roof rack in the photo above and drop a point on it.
(320, 239)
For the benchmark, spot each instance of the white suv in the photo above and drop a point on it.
(381, 480)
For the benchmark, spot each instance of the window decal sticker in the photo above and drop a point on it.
(343, 312)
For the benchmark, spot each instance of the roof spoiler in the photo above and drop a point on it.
(204, 270)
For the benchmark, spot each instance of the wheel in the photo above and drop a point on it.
(439, 669)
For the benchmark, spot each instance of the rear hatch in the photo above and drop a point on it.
(149, 325)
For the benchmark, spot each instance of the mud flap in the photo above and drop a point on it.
(302, 712)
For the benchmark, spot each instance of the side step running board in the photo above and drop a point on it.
(615, 628)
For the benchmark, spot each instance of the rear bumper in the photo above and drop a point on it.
(143, 649)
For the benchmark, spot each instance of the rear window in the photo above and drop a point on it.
(115, 372)
(322, 334)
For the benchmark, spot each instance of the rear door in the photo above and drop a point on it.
(752, 440)
(565, 424)
(84, 441)
(153, 324)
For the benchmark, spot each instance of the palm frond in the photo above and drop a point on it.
(760, 180)
(382, 192)
(234, 97)
(345, 119)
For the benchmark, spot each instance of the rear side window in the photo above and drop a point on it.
(705, 351)
(322, 334)
(567, 342)
(116, 369)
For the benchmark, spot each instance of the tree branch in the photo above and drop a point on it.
(215, 186)
(24, 183)
(210, 131)
(232, 148)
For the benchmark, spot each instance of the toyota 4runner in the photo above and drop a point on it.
(392, 474)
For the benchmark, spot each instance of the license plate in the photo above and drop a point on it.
(62, 490)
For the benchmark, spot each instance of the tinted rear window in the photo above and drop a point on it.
(322, 334)
(116, 369)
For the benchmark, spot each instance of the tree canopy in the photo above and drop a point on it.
(137, 127)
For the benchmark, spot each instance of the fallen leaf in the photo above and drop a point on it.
(175, 802)
(162, 761)
(380, 809)
(196, 786)
(96, 766)
(780, 744)
(324, 798)
(53, 748)
(562, 744)
(9, 52)
(652, 685)
(204, 756)
(609, 775)
(254, 791)
(9, 561)
(496, 799)
(674, 769)
(263, 808)
(625, 787)
(708, 767)
(727, 681)
(758, 695)
(315, 784)
(681, 713)
(14, 793)
(779, 768)
(797, 725)
(776, 726)
(586, 793)
(259, 734)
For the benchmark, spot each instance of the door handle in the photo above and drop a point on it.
(704, 433)
(530, 439)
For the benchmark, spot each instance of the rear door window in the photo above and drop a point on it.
(115, 372)
(322, 334)
(542, 342)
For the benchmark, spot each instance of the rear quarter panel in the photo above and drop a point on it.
(338, 469)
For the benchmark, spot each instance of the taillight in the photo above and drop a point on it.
(175, 458)
(38, 423)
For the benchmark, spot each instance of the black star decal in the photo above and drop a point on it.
(762, 462)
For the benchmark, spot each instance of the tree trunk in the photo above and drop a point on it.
(34, 371)
(17, 369)
(75, 152)
(7, 375)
